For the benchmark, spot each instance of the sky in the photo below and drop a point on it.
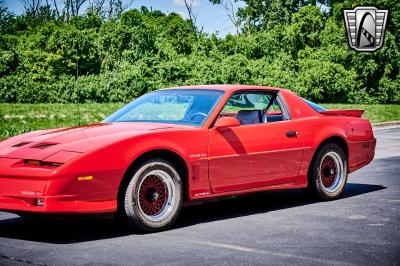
(212, 18)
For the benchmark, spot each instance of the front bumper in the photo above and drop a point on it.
(22, 195)
(20, 190)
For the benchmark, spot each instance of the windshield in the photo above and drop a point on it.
(314, 106)
(176, 106)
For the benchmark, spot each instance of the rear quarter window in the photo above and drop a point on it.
(314, 106)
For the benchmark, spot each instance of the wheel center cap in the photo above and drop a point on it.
(156, 196)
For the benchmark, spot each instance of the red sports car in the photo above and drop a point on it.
(184, 144)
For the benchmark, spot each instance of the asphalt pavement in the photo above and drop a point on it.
(273, 228)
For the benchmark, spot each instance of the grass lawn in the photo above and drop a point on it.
(19, 118)
(374, 112)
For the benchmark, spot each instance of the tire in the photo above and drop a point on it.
(327, 175)
(153, 196)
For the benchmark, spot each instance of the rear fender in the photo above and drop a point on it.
(311, 146)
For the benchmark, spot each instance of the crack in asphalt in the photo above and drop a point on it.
(272, 253)
(22, 260)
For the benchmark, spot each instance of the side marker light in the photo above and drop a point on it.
(85, 178)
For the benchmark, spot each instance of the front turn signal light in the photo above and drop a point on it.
(85, 178)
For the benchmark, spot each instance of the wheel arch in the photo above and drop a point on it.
(338, 140)
(172, 157)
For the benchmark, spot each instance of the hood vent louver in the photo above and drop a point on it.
(43, 145)
(21, 144)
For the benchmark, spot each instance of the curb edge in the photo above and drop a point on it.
(386, 124)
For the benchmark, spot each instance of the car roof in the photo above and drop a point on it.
(228, 87)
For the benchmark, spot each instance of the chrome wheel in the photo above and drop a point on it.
(155, 195)
(332, 172)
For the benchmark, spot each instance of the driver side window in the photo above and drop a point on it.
(253, 108)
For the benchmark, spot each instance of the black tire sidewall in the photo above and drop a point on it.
(133, 215)
(315, 182)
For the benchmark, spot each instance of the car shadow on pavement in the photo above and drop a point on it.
(262, 202)
(75, 231)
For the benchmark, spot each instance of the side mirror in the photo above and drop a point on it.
(226, 122)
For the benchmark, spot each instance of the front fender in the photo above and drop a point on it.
(109, 163)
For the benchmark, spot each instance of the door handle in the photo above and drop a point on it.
(291, 134)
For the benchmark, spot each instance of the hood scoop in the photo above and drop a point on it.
(43, 145)
(21, 144)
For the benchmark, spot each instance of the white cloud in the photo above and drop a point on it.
(182, 2)
(183, 14)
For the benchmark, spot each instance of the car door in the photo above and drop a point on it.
(255, 154)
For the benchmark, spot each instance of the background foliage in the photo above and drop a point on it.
(17, 118)
(294, 44)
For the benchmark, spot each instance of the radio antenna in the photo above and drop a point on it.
(76, 79)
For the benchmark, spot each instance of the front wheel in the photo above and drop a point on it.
(328, 172)
(153, 196)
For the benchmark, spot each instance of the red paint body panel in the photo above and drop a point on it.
(238, 159)
(241, 157)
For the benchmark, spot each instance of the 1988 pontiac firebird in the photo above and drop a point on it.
(184, 144)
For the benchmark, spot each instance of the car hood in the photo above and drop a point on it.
(39, 145)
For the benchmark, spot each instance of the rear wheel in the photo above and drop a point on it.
(328, 172)
(153, 196)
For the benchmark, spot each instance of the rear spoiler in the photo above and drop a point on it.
(349, 112)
